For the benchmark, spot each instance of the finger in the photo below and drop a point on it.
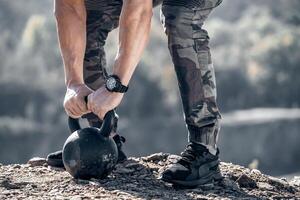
(80, 104)
(89, 103)
(71, 113)
(74, 110)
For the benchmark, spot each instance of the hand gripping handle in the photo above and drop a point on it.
(106, 127)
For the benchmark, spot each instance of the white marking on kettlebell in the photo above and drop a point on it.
(72, 163)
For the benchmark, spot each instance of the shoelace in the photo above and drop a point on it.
(189, 154)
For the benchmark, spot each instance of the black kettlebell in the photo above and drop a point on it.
(90, 152)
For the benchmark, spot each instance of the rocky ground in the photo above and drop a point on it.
(137, 179)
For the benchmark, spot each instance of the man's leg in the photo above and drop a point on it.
(188, 45)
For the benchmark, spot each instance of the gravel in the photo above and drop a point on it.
(137, 178)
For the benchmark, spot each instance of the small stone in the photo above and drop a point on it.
(246, 182)
(95, 183)
(156, 157)
(6, 183)
(17, 166)
(36, 161)
(264, 186)
(76, 198)
(173, 158)
(256, 172)
(6, 192)
(230, 184)
(295, 181)
(276, 181)
(161, 163)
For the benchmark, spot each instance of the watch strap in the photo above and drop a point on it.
(119, 86)
(122, 88)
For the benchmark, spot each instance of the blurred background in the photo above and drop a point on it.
(255, 46)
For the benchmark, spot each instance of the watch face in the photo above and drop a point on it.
(111, 83)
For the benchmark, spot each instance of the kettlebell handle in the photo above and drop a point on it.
(106, 127)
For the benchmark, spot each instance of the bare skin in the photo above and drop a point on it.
(134, 28)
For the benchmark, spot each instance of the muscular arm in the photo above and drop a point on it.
(71, 28)
(135, 22)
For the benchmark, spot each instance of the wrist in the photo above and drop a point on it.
(123, 79)
(113, 84)
(121, 72)
(74, 83)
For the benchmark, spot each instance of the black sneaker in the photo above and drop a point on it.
(195, 167)
(55, 159)
(119, 140)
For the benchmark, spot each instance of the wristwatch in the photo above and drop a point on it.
(113, 84)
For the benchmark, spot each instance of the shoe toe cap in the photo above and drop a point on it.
(175, 172)
(166, 175)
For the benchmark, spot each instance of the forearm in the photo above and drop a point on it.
(71, 28)
(135, 22)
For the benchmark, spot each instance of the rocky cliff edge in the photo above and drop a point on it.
(137, 179)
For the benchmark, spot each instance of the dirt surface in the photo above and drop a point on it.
(137, 179)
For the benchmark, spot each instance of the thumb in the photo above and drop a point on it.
(87, 100)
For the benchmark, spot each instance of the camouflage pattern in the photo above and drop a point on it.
(188, 43)
(102, 17)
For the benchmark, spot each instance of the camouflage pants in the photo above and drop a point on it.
(188, 45)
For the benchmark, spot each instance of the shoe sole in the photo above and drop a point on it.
(211, 177)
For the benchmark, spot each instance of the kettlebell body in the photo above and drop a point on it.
(90, 152)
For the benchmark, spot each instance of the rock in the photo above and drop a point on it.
(295, 181)
(173, 158)
(6, 183)
(36, 161)
(76, 198)
(255, 172)
(156, 157)
(17, 166)
(276, 181)
(264, 186)
(230, 184)
(246, 182)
